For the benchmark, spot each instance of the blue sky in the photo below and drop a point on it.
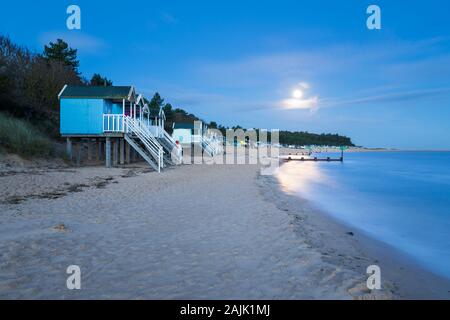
(239, 62)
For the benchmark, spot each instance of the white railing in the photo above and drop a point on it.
(208, 147)
(168, 137)
(146, 133)
(218, 149)
(218, 145)
(159, 132)
(113, 123)
(176, 151)
(141, 131)
(147, 130)
(155, 130)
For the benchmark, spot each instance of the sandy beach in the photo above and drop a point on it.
(192, 232)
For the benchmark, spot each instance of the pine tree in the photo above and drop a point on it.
(60, 51)
(98, 80)
(156, 102)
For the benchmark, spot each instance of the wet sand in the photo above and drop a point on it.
(341, 244)
(192, 232)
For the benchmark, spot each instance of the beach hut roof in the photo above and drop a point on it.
(183, 125)
(97, 92)
(140, 99)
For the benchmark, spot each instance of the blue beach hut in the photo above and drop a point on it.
(118, 116)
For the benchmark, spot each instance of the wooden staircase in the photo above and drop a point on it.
(173, 151)
(140, 138)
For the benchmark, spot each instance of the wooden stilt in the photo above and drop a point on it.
(101, 149)
(97, 148)
(89, 149)
(127, 152)
(79, 151)
(69, 148)
(116, 152)
(122, 151)
(108, 152)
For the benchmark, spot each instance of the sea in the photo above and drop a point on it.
(399, 198)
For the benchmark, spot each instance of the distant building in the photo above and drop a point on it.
(188, 134)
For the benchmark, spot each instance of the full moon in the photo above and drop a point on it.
(297, 93)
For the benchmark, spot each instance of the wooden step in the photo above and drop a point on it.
(142, 152)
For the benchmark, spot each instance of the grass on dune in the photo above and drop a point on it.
(21, 137)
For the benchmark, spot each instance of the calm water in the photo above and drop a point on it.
(401, 198)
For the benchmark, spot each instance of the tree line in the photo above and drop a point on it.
(30, 83)
(303, 138)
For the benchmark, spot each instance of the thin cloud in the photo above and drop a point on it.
(290, 104)
(363, 67)
(315, 62)
(436, 93)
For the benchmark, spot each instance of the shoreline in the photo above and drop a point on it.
(193, 232)
(406, 278)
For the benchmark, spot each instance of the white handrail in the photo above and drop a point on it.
(126, 124)
(164, 135)
(169, 137)
(176, 155)
(148, 141)
(213, 144)
(144, 128)
(208, 146)
(172, 141)
(113, 123)
(134, 126)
